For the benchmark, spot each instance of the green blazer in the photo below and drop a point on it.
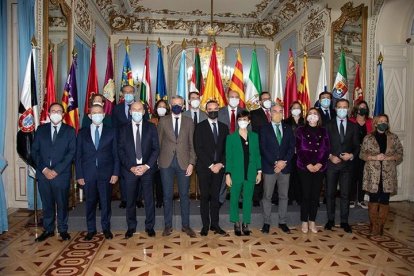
(235, 158)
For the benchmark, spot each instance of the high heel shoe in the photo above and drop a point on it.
(312, 227)
(305, 227)
(237, 231)
(245, 229)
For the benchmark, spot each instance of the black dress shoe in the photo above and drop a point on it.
(129, 233)
(158, 204)
(89, 235)
(245, 229)
(44, 236)
(256, 203)
(237, 230)
(108, 235)
(65, 236)
(140, 204)
(284, 228)
(347, 228)
(204, 231)
(218, 230)
(150, 232)
(122, 205)
(329, 225)
(265, 228)
(167, 231)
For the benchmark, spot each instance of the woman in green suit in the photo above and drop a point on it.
(243, 171)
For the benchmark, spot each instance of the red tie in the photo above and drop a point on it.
(268, 116)
(232, 122)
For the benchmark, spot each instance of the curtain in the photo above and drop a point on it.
(84, 60)
(4, 226)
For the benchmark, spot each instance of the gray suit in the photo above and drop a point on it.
(223, 115)
(190, 114)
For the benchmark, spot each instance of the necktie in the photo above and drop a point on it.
(215, 140)
(342, 131)
(195, 118)
(268, 116)
(129, 113)
(176, 127)
(54, 135)
(278, 134)
(327, 113)
(96, 137)
(232, 121)
(138, 151)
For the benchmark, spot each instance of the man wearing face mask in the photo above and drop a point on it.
(53, 150)
(277, 146)
(177, 159)
(96, 99)
(344, 141)
(97, 169)
(120, 117)
(228, 114)
(209, 144)
(194, 112)
(325, 106)
(138, 150)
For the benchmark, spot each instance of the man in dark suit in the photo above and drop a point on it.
(325, 106)
(97, 169)
(121, 117)
(195, 113)
(209, 144)
(53, 150)
(138, 150)
(343, 136)
(277, 146)
(177, 159)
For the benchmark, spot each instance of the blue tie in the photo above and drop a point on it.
(96, 143)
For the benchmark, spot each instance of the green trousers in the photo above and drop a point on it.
(247, 187)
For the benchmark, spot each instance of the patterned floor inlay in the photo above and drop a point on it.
(325, 253)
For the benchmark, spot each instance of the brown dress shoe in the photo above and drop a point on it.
(189, 232)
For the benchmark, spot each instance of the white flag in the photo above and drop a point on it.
(277, 91)
(322, 82)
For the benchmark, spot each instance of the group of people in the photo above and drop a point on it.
(230, 148)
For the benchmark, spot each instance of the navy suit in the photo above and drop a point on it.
(96, 166)
(57, 156)
(150, 151)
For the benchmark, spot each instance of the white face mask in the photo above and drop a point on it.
(56, 118)
(161, 111)
(295, 112)
(97, 118)
(136, 116)
(242, 124)
(195, 103)
(267, 104)
(312, 118)
(234, 102)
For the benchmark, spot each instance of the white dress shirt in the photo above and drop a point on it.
(93, 129)
(52, 129)
(179, 121)
(134, 131)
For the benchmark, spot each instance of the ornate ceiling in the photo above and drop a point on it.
(243, 18)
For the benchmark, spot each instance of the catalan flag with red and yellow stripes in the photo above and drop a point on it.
(236, 83)
(303, 91)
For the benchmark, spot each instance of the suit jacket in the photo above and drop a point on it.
(201, 115)
(87, 154)
(119, 118)
(292, 123)
(350, 144)
(271, 151)
(149, 146)
(258, 119)
(235, 158)
(182, 146)
(223, 115)
(205, 147)
(326, 119)
(57, 156)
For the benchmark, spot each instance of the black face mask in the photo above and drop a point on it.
(212, 115)
(363, 111)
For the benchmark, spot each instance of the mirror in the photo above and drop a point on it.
(349, 32)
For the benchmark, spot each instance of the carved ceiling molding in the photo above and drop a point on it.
(83, 18)
(348, 13)
(315, 27)
(289, 11)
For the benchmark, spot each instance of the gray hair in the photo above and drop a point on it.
(177, 97)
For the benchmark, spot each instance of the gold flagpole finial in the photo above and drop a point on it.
(380, 58)
(184, 44)
(127, 44)
(147, 43)
(159, 44)
(51, 46)
(278, 48)
(33, 42)
(74, 52)
(254, 45)
(93, 41)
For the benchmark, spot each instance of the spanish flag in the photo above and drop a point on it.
(236, 83)
(303, 91)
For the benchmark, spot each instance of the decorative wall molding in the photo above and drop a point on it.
(83, 20)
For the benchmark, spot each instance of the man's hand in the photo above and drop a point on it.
(49, 174)
(113, 180)
(346, 156)
(334, 159)
(189, 170)
(81, 181)
(228, 180)
(141, 169)
(216, 168)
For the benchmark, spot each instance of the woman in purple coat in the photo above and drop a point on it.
(312, 148)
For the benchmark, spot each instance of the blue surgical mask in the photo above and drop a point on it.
(129, 98)
(97, 118)
(176, 109)
(325, 102)
(136, 116)
(342, 113)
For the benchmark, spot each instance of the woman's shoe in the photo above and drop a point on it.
(237, 229)
(245, 229)
(305, 227)
(312, 227)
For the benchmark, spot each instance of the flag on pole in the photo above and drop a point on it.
(214, 87)
(126, 78)
(197, 82)
(70, 98)
(303, 91)
(161, 91)
(291, 91)
(236, 83)
(340, 87)
(358, 93)
(254, 84)
(322, 80)
(50, 92)
(182, 87)
(145, 95)
(109, 84)
(379, 98)
(92, 86)
(277, 90)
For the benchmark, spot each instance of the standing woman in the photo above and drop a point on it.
(312, 148)
(360, 116)
(382, 152)
(243, 171)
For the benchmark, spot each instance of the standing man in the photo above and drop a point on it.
(177, 158)
(194, 112)
(228, 114)
(138, 150)
(120, 117)
(343, 136)
(97, 169)
(209, 144)
(325, 107)
(53, 150)
(277, 146)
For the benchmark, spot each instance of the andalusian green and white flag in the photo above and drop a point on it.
(254, 85)
(340, 88)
